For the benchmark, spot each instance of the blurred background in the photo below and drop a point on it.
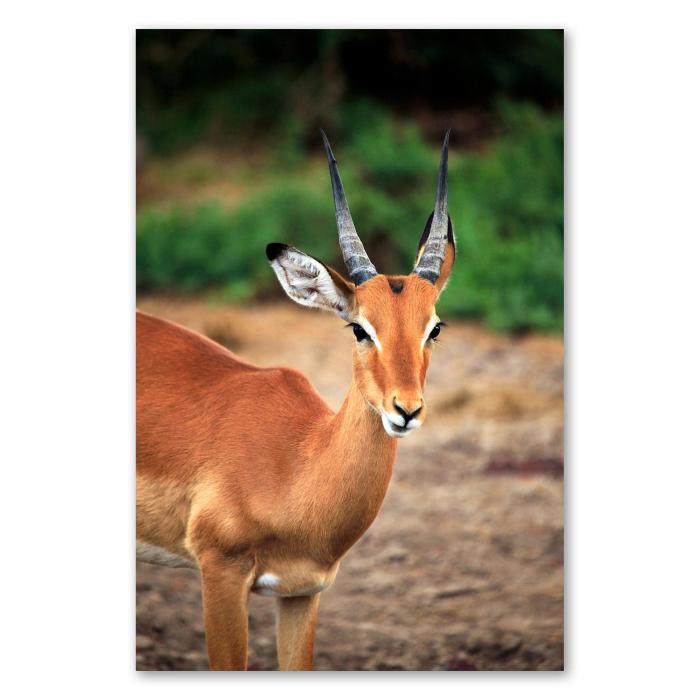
(463, 569)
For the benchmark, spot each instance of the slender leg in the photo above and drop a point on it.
(296, 629)
(225, 590)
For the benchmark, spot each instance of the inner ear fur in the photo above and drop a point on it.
(344, 286)
(295, 272)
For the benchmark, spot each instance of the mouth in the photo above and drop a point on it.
(396, 430)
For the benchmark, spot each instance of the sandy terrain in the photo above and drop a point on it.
(463, 568)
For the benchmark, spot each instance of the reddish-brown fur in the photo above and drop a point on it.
(246, 471)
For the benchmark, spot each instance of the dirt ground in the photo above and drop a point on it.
(463, 568)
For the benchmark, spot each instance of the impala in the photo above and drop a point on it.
(246, 474)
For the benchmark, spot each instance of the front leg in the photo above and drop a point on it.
(226, 587)
(296, 629)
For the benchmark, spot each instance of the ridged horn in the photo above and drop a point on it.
(360, 267)
(435, 248)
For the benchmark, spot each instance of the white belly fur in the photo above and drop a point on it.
(267, 584)
(271, 585)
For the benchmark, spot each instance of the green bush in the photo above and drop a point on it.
(506, 204)
(210, 246)
(508, 210)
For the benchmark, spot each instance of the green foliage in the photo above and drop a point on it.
(211, 246)
(508, 210)
(506, 204)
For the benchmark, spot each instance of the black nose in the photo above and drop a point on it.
(407, 415)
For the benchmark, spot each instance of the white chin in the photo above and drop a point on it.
(394, 430)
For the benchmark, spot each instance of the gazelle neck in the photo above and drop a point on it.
(357, 430)
(355, 461)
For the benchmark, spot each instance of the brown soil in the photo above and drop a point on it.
(463, 568)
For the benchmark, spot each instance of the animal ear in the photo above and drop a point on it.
(309, 282)
(450, 252)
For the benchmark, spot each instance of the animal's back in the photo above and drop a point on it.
(200, 407)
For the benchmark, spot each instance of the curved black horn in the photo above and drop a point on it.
(434, 250)
(357, 261)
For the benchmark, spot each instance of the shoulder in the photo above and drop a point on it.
(287, 379)
(289, 386)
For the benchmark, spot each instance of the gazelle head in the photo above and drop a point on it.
(393, 317)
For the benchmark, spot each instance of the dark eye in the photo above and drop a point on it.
(359, 332)
(435, 332)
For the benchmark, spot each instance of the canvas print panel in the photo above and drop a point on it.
(349, 250)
